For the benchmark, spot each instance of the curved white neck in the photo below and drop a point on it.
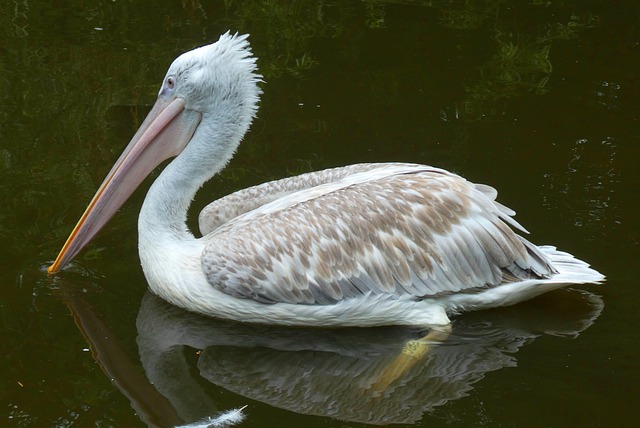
(164, 211)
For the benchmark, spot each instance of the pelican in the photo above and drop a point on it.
(361, 245)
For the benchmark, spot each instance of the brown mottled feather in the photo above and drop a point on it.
(245, 200)
(398, 229)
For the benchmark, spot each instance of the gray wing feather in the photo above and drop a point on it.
(402, 230)
(231, 206)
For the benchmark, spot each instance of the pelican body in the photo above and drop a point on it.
(361, 245)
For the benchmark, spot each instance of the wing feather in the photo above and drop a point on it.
(231, 206)
(408, 231)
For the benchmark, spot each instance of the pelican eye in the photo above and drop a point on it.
(171, 82)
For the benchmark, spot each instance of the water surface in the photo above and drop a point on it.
(539, 100)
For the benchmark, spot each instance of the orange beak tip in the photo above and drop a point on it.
(53, 268)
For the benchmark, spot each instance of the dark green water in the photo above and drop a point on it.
(538, 99)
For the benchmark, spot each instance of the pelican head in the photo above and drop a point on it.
(216, 78)
(205, 105)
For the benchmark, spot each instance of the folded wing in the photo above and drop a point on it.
(408, 231)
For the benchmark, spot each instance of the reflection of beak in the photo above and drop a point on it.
(163, 134)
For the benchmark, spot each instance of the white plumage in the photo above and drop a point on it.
(367, 244)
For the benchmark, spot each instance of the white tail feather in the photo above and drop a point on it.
(570, 271)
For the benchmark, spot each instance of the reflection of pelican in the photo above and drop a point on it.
(368, 244)
(332, 372)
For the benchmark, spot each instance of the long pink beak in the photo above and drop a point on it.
(163, 134)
